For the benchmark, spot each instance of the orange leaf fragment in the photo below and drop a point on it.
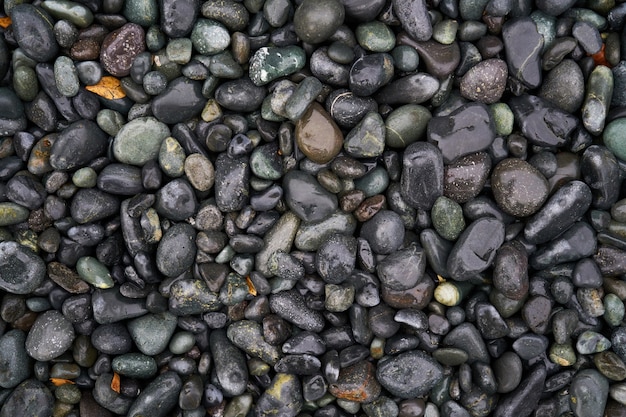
(5, 22)
(600, 59)
(57, 382)
(251, 288)
(115, 382)
(108, 87)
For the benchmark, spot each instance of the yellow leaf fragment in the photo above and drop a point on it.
(108, 87)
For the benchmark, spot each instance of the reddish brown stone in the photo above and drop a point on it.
(318, 136)
(369, 207)
(120, 48)
(357, 383)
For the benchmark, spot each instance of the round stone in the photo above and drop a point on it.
(177, 250)
(209, 37)
(51, 336)
(614, 137)
(317, 20)
(317, 135)
(21, 270)
(485, 81)
(518, 187)
(139, 141)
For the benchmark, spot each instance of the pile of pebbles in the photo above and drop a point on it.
(315, 208)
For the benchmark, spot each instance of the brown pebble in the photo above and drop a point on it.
(120, 48)
(369, 207)
(317, 135)
(350, 200)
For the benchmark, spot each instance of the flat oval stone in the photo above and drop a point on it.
(270, 63)
(230, 364)
(422, 175)
(33, 29)
(120, 179)
(209, 37)
(159, 397)
(30, 398)
(414, 18)
(411, 89)
(291, 306)
(476, 248)
(120, 48)
(317, 135)
(231, 182)
(240, 95)
(77, 145)
(178, 16)
(464, 178)
(21, 270)
(524, 45)
(564, 86)
(518, 187)
(134, 365)
(151, 333)
(181, 100)
(485, 81)
(406, 124)
(139, 141)
(283, 397)
(588, 392)
(177, 250)
(307, 198)
(14, 359)
(614, 138)
(315, 21)
(51, 336)
(466, 130)
(91, 205)
(409, 374)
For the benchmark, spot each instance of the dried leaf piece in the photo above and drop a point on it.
(57, 382)
(108, 87)
(5, 22)
(115, 382)
(251, 288)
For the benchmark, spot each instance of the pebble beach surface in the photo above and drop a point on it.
(312, 208)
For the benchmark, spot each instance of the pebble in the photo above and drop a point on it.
(588, 392)
(181, 100)
(159, 397)
(282, 397)
(409, 374)
(22, 271)
(120, 47)
(357, 383)
(34, 32)
(317, 135)
(30, 398)
(139, 141)
(316, 21)
(524, 45)
(485, 82)
(151, 333)
(414, 19)
(567, 72)
(512, 198)
(307, 198)
(13, 356)
(51, 336)
(268, 64)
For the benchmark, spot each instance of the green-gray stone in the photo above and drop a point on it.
(192, 296)
(562, 354)
(74, 12)
(282, 91)
(405, 58)
(158, 398)
(68, 394)
(248, 336)
(444, 32)
(447, 217)
(374, 182)
(177, 250)
(270, 63)
(586, 15)
(152, 332)
(11, 213)
(546, 26)
(614, 137)
(267, 113)
(31, 398)
(94, 272)
(311, 235)
(406, 124)
(610, 365)
(279, 237)
(304, 94)
(338, 298)
(366, 139)
(85, 177)
(317, 20)
(381, 407)
(135, 365)
(613, 309)
(592, 342)
(588, 393)
(182, 342)
(234, 290)
(110, 121)
(472, 9)
(172, 157)
(15, 365)
(25, 83)
(139, 141)
(179, 50)
(341, 53)
(223, 65)
(209, 37)
(502, 118)
(599, 93)
(450, 356)
(618, 392)
(239, 406)
(142, 12)
(266, 163)
(375, 36)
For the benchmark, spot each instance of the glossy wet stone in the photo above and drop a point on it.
(22, 270)
(268, 64)
(13, 356)
(181, 99)
(315, 21)
(523, 44)
(159, 397)
(51, 335)
(283, 396)
(317, 135)
(519, 189)
(406, 381)
(415, 88)
(465, 177)
(31, 397)
(309, 200)
(565, 73)
(33, 32)
(422, 175)
(406, 124)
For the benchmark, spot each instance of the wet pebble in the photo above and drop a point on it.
(51, 336)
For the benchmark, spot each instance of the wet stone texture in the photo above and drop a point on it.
(312, 208)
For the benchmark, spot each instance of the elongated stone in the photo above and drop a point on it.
(523, 400)
(230, 364)
(291, 306)
(415, 88)
(94, 272)
(34, 34)
(248, 335)
(597, 100)
(270, 63)
(523, 44)
(422, 175)
(283, 397)
(575, 243)
(588, 392)
(307, 198)
(159, 397)
(406, 124)
(317, 135)
(414, 18)
(279, 238)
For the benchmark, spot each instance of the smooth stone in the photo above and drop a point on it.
(110, 306)
(375, 36)
(336, 258)
(240, 95)
(134, 365)
(151, 333)
(310, 236)
(25, 85)
(518, 187)
(248, 336)
(348, 109)
(409, 374)
(107, 398)
(77, 145)
(542, 123)
(554, 7)
(575, 243)
(614, 138)
(619, 80)
(176, 200)
(588, 393)
(51, 336)
(317, 135)
(508, 372)
(384, 232)
(120, 179)
(177, 250)
(564, 86)
(422, 175)
(282, 397)
(21, 270)
(476, 248)
(591, 342)
(159, 397)
(30, 398)
(139, 141)
(94, 272)
(16, 364)
(172, 157)
(279, 238)
(369, 73)
(365, 140)
(120, 48)
(411, 89)
(524, 45)
(402, 269)
(598, 96)
(291, 306)
(466, 130)
(270, 63)
(307, 198)
(447, 218)
(66, 76)
(316, 21)
(610, 365)
(485, 82)
(178, 16)
(230, 364)
(414, 18)
(192, 296)
(33, 28)
(356, 383)
(406, 124)
(465, 177)
(561, 210)
(209, 37)
(181, 100)
(440, 60)
(510, 271)
(601, 173)
(231, 182)
(111, 339)
(199, 171)
(524, 399)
